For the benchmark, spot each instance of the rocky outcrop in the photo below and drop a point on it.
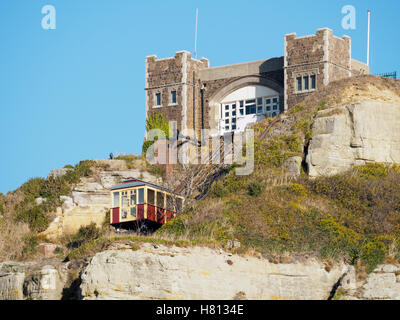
(158, 272)
(31, 281)
(355, 134)
(382, 284)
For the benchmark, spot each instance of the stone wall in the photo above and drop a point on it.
(176, 73)
(323, 55)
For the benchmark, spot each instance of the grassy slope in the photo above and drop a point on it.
(353, 216)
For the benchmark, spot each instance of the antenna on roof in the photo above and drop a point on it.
(369, 28)
(195, 35)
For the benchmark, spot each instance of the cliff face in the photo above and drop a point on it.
(157, 272)
(160, 272)
(354, 134)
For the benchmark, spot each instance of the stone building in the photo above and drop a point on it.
(228, 98)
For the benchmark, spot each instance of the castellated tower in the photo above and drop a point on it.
(313, 61)
(173, 89)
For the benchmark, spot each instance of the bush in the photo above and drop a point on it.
(373, 253)
(36, 218)
(297, 189)
(33, 187)
(372, 170)
(31, 242)
(84, 235)
(254, 188)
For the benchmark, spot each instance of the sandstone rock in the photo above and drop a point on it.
(40, 200)
(381, 286)
(29, 280)
(197, 273)
(11, 286)
(292, 166)
(354, 135)
(58, 172)
(387, 268)
(68, 203)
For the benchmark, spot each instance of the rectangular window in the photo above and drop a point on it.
(234, 127)
(250, 101)
(173, 97)
(241, 104)
(226, 127)
(226, 121)
(259, 109)
(234, 107)
(227, 107)
(268, 101)
(158, 99)
(268, 108)
(241, 111)
(124, 199)
(233, 120)
(170, 203)
(141, 196)
(151, 197)
(275, 100)
(275, 107)
(306, 83)
(133, 212)
(233, 113)
(313, 84)
(259, 101)
(299, 86)
(115, 199)
(133, 198)
(124, 213)
(251, 109)
(160, 199)
(226, 114)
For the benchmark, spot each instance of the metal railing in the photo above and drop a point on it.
(391, 75)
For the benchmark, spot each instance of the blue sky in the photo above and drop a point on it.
(77, 92)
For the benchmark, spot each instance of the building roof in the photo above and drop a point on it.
(131, 183)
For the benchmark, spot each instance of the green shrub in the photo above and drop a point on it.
(254, 188)
(297, 189)
(155, 120)
(218, 190)
(68, 166)
(36, 218)
(84, 235)
(30, 245)
(33, 187)
(372, 253)
(372, 170)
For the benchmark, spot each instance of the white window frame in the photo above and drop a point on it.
(303, 75)
(227, 127)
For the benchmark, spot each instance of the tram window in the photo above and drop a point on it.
(150, 197)
(160, 199)
(115, 199)
(141, 196)
(170, 203)
(133, 197)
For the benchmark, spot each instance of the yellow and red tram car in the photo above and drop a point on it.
(141, 201)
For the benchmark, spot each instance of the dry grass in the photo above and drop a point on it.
(12, 235)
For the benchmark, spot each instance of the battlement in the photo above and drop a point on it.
(228, 98)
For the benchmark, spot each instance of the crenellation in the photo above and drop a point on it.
(309, 63)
